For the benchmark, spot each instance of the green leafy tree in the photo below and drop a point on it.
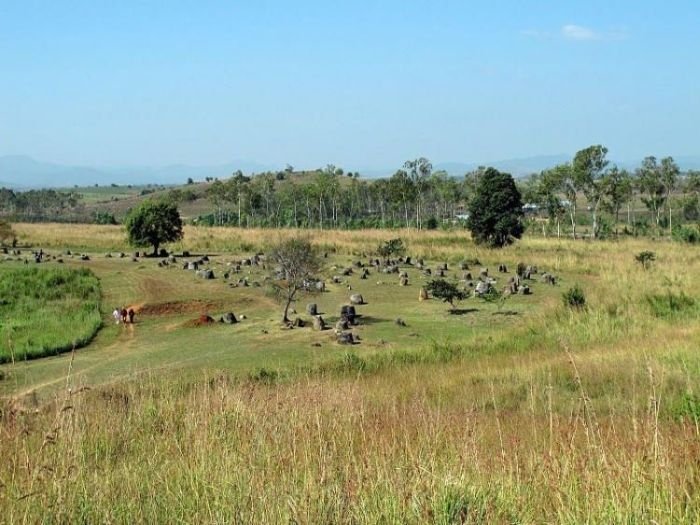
(589, 167)
(669, 179)
(447, 291)
(496, 211)
(619, 191)
(154, 223)
(295, 262)
(391, 248)
(419, 171)
(651, 186)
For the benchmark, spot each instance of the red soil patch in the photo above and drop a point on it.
(178, 307)
(202, 320)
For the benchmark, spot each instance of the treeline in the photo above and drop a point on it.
(588, 191)
(646, 198)
(41, 205)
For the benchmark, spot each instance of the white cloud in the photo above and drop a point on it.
(577, 33)
(574, 32)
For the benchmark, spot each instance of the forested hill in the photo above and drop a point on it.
(417, 195)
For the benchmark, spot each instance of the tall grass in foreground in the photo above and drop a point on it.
(418, 444)
(46, 311)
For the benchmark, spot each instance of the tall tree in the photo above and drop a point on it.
(651, 186)
(154, 223)
(419, 171)
(403, 188)
(296, 263)
(619, 192)
(590, 174)
(669, 178)
(496, 211)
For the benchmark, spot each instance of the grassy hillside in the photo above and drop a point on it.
(532, 412)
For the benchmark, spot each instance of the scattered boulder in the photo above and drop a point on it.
(502, 268)
(524, 289)
(193, 265)
(342, 324)
(403, 281)
(345, 338)
(298, 323)
(349, 312)
(548, 278)
(463, 266)
(356, 299)
(483, 273)
(364, 274)
(346, 272)
(422, 294)
(400, 322)
(482, 288)
(206, 274)
(467, 276)
(85, 257)
(312, 309)
(511, 286)
(229, 318)
(319, 323)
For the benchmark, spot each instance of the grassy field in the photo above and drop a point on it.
(46, 311)
(529, 413)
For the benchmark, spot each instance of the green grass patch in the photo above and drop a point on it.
(670, 304)
(46, 311)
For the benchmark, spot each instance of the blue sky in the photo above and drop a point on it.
(355, 83)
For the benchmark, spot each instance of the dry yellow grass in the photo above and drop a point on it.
(570, 417)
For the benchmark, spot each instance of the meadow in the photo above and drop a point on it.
(46, 311)
(526, 412)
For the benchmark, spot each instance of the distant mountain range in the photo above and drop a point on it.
(22, 172)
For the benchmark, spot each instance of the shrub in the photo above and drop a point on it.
(669, 304)
(645, 258)
(263, 375)
(688, 234)
(574, 298)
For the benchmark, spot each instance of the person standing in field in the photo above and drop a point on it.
(117, 315)
(124, 314)
(131, 315)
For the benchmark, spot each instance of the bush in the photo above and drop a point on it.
(669, 304)
(688, 234)
(574, 298)
(431, 223)
(645, 258)
(104, 217)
